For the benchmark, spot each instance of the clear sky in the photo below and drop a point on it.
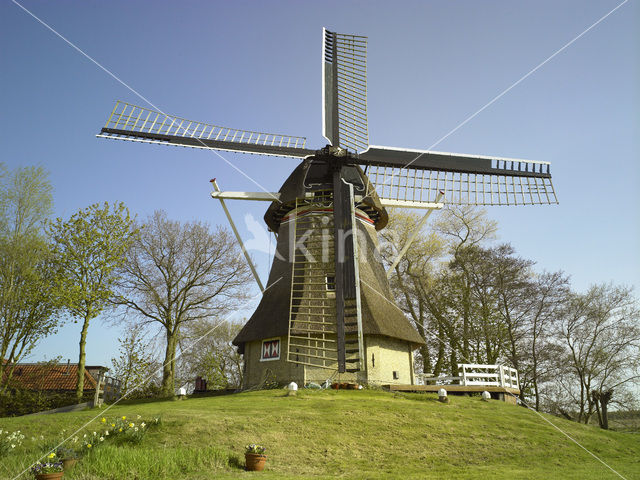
(257, 66)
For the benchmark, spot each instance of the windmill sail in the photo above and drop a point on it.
(417, 176)
(139, 124)
(344, 90)
(327, 289)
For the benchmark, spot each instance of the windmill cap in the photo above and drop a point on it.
(316, 174)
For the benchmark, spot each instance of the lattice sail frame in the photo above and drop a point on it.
(140, 124)
(344, 90)
(413, 185)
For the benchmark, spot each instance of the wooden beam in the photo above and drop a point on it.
(275, 196)
(452, 388)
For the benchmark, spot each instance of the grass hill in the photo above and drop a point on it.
(328, 434)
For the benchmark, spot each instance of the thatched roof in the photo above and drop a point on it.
(380, 316)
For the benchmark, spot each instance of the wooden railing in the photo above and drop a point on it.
(489, 375)
(478, 374)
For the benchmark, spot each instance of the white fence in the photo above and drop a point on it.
(479, 375)
(488, 375)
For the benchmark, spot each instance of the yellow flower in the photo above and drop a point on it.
(51, 455)
(104, 420)
(120, 430)
(131, 425)
(113, 424)
(88, 445)
(124, 418)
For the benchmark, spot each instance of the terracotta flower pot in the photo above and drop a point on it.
(49, 476)
(69, 463)
(255, 462)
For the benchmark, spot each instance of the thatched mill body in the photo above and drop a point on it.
(327, 309)
(299, 308)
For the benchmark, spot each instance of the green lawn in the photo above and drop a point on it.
(328, 434)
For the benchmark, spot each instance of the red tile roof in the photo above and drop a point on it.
(37, 376)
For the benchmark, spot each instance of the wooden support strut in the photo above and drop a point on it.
(238, 237)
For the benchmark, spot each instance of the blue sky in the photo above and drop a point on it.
(256, 66)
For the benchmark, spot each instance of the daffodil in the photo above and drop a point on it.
(124, 418)
(104, 420)
(120, 430)
(89, 445)
(113, 424)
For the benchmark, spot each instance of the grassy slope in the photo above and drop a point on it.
(348, 434)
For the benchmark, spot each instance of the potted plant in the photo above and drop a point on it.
(255, 458)
(68, 456)
(51, 469)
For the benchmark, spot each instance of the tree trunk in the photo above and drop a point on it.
(168, 368)
(426, 359)
(81, 358)
(454, 363)
(604, 401)
(601, 401)
(441, 351)
(596, 401)
(582, 401)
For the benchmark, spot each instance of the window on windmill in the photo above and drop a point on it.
(396, 376)
(331, 283)
(270, 349)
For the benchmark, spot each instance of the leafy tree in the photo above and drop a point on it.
(177, 273)
(135, 364)
(214, 358)
(90, 246)
(28, 298)
(439, 298)
(411, 278)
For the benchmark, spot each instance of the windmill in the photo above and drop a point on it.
(328, 297)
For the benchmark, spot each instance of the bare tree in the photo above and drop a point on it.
(601, 332)
(179, 273)
(540, 350)
(464, 227)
